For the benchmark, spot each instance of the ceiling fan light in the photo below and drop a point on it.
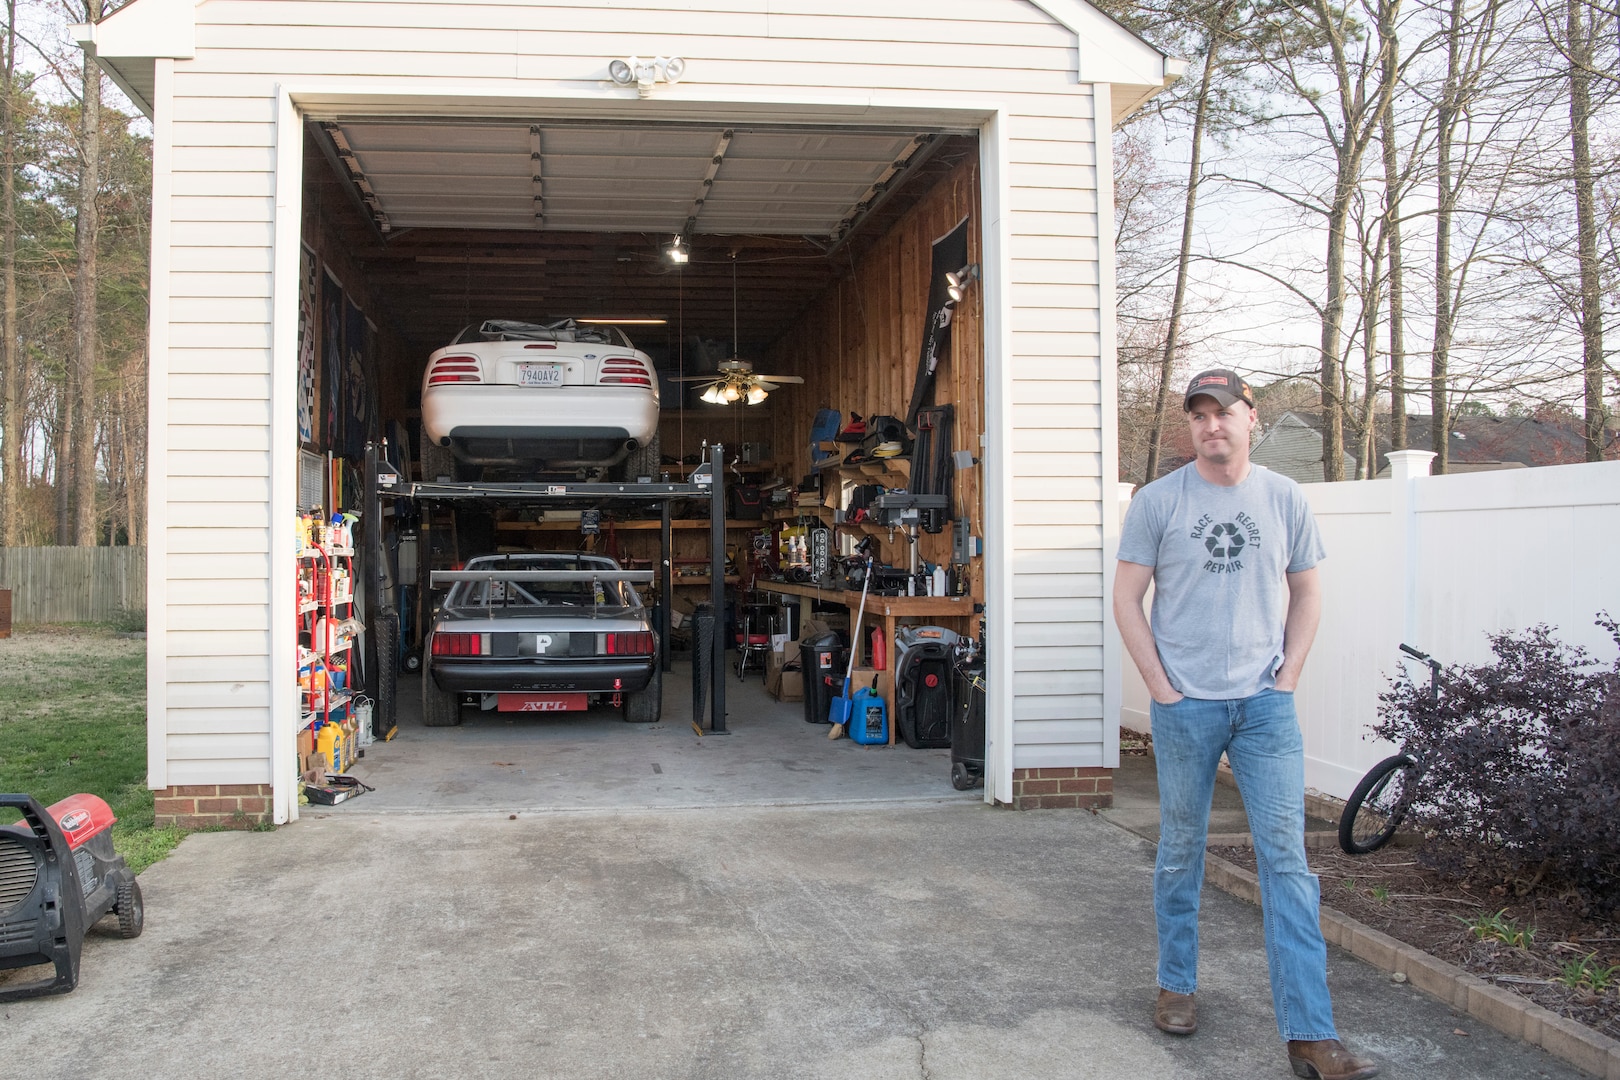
(731, 392)
(756, 394)
(713, 395)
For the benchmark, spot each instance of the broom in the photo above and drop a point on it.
(838, 714)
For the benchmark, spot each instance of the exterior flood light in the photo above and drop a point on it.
(958, 281)
(644, 73)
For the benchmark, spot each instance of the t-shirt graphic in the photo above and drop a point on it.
(1227, 541)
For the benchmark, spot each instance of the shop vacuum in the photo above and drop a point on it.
(58, 875)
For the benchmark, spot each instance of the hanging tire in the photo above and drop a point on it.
(440, 708)
(131, 912)
(644, 460)
(646, 706)
(1377, 806)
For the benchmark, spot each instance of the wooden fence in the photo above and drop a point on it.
(73, 584)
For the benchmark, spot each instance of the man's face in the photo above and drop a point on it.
(1220, 433)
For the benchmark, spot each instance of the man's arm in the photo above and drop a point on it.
(1131, 582)
(1304, 614)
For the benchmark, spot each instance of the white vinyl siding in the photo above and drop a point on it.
(813, 59)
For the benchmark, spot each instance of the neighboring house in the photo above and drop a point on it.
(1480, 443)
(1292, 445)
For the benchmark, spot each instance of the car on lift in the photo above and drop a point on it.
(524, 399)
(541, 632)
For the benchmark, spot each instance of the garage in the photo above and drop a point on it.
(749, 192)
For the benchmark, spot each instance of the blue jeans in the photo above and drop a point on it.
(1261, 739)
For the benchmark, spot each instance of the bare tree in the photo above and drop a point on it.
(11, 355)
(86, 230)
(1581, 24)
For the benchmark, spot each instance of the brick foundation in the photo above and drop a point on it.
(1063, 789)
(213, 806)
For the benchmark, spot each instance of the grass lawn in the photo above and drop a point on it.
(73, 719)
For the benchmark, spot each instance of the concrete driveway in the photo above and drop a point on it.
(942, 940)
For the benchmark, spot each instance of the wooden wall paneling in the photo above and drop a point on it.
(857, 349)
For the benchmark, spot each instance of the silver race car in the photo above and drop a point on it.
(541, 632)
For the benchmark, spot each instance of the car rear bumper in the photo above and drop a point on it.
(472, 676)
(522, 413)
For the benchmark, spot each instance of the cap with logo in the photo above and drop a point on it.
(1224, 386)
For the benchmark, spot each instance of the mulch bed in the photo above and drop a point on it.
(1391, 891)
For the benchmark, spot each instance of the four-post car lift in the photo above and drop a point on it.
(384, 481)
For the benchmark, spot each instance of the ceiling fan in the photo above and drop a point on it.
(736, 379)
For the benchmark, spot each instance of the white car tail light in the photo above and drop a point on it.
(623, 371)
(455, 369)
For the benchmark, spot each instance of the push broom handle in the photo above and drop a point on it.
(855, 643)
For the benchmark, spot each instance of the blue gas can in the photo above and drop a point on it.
(868, 717)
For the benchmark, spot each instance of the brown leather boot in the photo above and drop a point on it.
(1327, 1059)
(1175, 1013)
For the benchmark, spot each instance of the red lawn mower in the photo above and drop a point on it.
(58, 876)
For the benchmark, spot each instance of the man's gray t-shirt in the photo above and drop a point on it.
(1220, 556)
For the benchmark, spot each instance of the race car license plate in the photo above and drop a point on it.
(510, 702)
(540, 375)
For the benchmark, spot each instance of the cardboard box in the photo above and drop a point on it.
(790, 686)
(306, 744)
(783, 679)
(862, 676)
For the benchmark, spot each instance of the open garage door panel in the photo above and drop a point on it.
(459, 218)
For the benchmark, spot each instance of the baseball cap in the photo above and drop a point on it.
(1224, 386)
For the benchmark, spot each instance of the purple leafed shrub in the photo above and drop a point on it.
(1523, 776)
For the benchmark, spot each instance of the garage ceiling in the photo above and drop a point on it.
(460, 219)
(618, 177)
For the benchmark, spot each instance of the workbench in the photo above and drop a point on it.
(888, 609)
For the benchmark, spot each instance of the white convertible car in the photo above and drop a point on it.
(551, 395)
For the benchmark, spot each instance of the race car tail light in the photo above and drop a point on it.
(460, 644)
(455, 369)
(634, 643)
(624, 371)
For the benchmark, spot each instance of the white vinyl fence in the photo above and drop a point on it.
(1440, 562)
(73, 584)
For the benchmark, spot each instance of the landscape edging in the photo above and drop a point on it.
(1507, 1012)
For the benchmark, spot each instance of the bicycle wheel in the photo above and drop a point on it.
(1377, 805)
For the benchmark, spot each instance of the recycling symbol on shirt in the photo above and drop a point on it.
(1225, 541)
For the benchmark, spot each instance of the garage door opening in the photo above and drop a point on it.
(725, 254)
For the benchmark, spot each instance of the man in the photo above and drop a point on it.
(1231, 549)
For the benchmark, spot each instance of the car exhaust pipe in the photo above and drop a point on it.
(630, 446)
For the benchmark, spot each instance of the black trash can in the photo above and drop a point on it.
(824, 660)
(967, 725)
